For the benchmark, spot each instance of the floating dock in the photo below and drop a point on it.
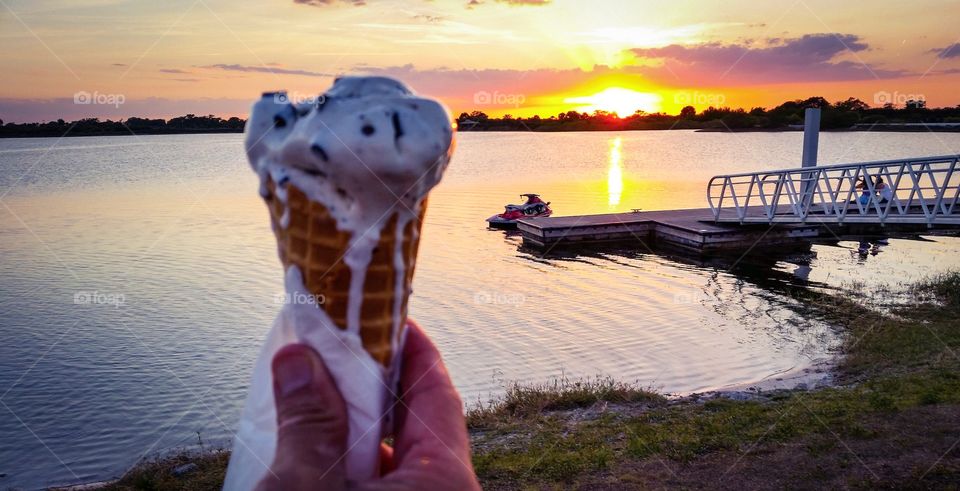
(693, 230)
(780, 208)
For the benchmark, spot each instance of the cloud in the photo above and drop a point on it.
(459, 88)
(812, 57)
(948, 71)
(272, 68)
(518, 3)
(429, 18)
(952, 51)
(33, 110)
(471, 4)
(173, 70)
(324, 3)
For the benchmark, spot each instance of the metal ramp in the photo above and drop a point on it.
(922, 191)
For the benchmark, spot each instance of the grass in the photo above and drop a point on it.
(158, 475)
(893, 421)
(521, 402)
(945, 286)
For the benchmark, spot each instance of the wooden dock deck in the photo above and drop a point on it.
(693, 230)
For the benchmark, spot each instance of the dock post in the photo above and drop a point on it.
(811, 144)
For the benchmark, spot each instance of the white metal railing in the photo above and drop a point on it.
(919, 191)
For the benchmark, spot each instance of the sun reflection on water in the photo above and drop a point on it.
(615, 174)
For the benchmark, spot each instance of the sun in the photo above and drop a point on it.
(618, 100)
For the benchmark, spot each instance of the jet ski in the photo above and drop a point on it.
(534, 207)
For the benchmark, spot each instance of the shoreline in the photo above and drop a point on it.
(818, 375)
(596, 130)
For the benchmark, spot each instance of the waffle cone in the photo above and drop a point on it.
(312, 242)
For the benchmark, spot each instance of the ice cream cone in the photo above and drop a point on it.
(345, 178)
(309, 238)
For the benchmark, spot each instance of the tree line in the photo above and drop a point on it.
(849, 114)
(189, 123)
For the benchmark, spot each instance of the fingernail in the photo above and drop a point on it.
(293, 372)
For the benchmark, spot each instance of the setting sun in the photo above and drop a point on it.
(622, 101)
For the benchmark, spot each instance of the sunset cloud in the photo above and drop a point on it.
(952, 51)
(266, 69)
(323, 3)
(470, 4)
(464, 87)
(535, 3)
(29, 110)
(812, 57)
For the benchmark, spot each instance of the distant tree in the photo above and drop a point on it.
(479, 116)
(852, 104)
(605, 117)
(571, 116)
(688, 112)
(738, 119)
(815, 102)
(758, 111)
(711, 113)
(235, 123)
(463, 117)
(507, 117)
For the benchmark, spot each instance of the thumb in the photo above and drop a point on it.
(311, 421)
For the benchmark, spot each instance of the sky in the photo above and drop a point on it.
(164, 58)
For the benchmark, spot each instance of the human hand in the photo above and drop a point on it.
(431, 448)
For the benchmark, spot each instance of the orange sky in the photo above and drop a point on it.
(523, 57)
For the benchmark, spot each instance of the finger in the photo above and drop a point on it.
(432, 425)
(387, 464)
(311, 420)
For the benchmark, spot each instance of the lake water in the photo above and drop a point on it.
(139, 275)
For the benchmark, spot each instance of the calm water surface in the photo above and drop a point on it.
(139, 277)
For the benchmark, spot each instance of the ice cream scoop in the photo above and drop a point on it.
(345, 178)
